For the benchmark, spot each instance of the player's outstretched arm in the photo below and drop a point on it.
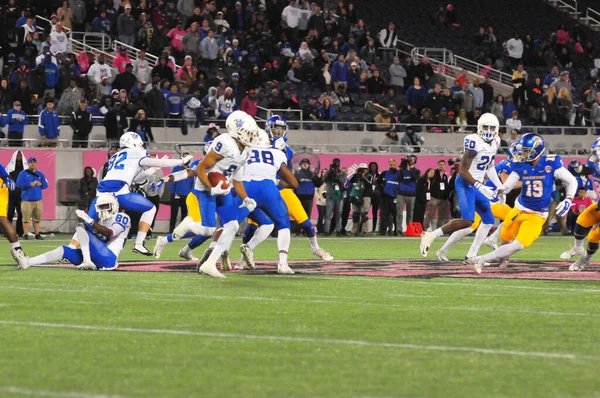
(170, 163)
(287, 176)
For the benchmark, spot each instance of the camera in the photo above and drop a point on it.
(453, 161)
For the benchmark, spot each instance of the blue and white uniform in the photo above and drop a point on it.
(505, 167)
(470, 199)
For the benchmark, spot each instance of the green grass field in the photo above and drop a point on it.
(65, 333)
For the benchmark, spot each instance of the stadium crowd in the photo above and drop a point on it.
(216, 57)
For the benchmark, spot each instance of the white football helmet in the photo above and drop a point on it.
(243, 128)
(488, 127)
(131, 140)
(107, 206)
(263, 140)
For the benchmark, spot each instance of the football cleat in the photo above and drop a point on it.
(490, 243)
(141, 249)
(159, 246)
(20, 258)
(248, 256)
(323, 254)
(205, 257)
(86, 265)
(442, 256)
(187, 254)
(479, 264)
(572, 252)
(580, 264)
(225, 261)
(283, 268)
(504, 263)
(427, 239)
(210, 269)
(469, 260)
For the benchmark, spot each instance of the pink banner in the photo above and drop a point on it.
(96, 160)
(46, 163)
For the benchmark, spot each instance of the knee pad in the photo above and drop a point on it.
(148, 216)
(580, 231)
(308, 228)
(592, 247)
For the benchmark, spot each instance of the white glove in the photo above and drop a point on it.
(563, 207)
(249, 204)
(502, 199)
(219, 190)
(187, 159)
(84, 216)
(486, 191)
(8, 183)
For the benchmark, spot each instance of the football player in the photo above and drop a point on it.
(100, 242)
(524, 223)
(499, 210)
(123, 168)
(473, 195)
(16, 251)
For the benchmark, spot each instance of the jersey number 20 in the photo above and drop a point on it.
(265, 156)
(116, 161)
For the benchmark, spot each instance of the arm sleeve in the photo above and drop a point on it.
(568, 179)
(493, 176)
(3, 173)
(149, 162)
(511, 181)
(143, 176)
(44, 182)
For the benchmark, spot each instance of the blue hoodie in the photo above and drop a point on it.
(173, 104)
(339, 72)
(51, 74)
(13, 122)
(49, 124)
(29, 193)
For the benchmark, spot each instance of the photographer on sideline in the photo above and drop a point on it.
(308, 181)
(407, 190)
(360, 198)
(388, 182)
(335, 178)
(410, 141)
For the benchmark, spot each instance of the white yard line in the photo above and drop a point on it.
(170, 297)
(43, 393)
(293, 339)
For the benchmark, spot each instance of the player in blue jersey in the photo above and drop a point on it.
(473, 195)
(276, 127)
(16, 251)
(524, 223)
(124, 168)
(499, 210)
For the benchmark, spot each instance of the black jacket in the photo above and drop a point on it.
(138, 126)
(364, 184)
(87, 191)
(422, 189)
(436, 186)
(81, 122)
(125, 81)
(155, 101)
(114, 128)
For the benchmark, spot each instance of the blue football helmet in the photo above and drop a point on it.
(206, 148)
(511, 152)
(596, 148)
(276, 126)
(529, 148)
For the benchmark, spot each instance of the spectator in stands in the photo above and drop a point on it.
(550, 113)
(51, 75)
(462, 78)
(295, 74)
(81, 124)
(529, 50)
(344, 98)
(191, 42)
(121, 60)
(534, 97)
(87, 188)
(440, 193)
(339, 71)
(514, 46)
(478, 93)
(49, 125)
(209, 49)
(173, 103)
(565, 107)
(101, 24)
(173, 16)
(99, 69)
(125, 80)
(462, 121)
(163, 71)
(250, 103)
(327, 110)
(595, 113)
(32, 182)
(176, 35)
(141, 125)
(563, 82)
(519, 78)
(310, 111)
(126, 26)
(466, 98)
(369, 52)
(141, 68)
(375, 84)
(424, 71)
(552, 77)
(16, 120)
(562, 37)
(354, 78)
(580, 203)
(411, 141)
(397, 74)
(115, 122)
(514, 137)
(255, 79)
(434, 100)
(6, 98)
(497, 108)
(227, 104)
(514, 123)
(59, 40)
(387, 39)
(69, 100)
(445, 119)
(482, 58)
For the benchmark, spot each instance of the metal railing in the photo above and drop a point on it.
(97, 40)
(569, 6)
(78, 46)
(287, 113)
(134, 53)
(592, 18)
(49, 22)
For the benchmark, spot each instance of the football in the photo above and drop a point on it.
(215, 178)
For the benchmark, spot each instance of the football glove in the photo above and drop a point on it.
(249, 204)
(563, 207)
(157, 185)
(84, 216)
(187, 159)
(219, 190)
(486, 191)
(9, 183)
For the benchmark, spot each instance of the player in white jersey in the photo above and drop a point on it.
(124, 167)
(473, 195)
(100, 243)
(227, 155)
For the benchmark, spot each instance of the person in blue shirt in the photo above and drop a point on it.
(16, 120)
(8, 185)
(49, 125)
(179, 192)
(32, 182)
(173, 103)
(51, 75)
